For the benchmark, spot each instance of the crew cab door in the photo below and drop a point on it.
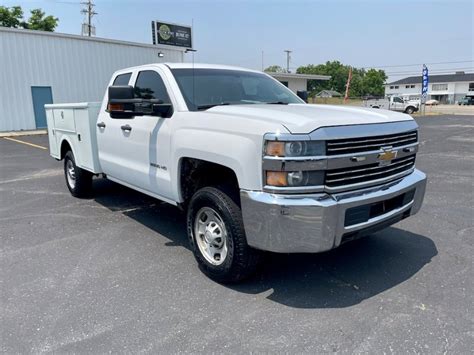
(136, 151)
(397, 104)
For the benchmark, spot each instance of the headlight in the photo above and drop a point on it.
(294, 178)
(295, 148)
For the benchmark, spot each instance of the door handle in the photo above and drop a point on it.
(126, 128)
(101, 125)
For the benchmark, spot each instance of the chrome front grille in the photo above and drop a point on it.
(368, 173)
(366, 144)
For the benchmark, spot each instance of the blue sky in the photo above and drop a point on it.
(373, 33)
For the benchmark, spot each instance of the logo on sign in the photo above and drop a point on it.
(164, 32)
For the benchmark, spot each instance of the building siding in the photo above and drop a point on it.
(296, 85)
(76, 69)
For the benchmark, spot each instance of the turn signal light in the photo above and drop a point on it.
(115, 107)
(276, 149)
(277, 178)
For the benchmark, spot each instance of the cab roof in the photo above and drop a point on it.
(205, 66)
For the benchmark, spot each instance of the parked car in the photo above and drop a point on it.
(254, 166)
(466, 100)
(432, 102)
(394, 103)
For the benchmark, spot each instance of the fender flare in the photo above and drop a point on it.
(68, 141)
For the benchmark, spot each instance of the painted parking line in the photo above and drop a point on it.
(26, 143)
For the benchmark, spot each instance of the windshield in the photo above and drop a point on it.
(205, 88)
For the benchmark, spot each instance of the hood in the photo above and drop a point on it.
(302, 119)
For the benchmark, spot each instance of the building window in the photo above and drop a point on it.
(439, 87)
(394, 87)
(471, 86)
(284, 83)
(412, 86)
(409, 86)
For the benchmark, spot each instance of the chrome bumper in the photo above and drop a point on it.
(315, 223)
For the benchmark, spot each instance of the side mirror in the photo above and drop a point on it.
(303, 95)
(121, 101)
(123, 104)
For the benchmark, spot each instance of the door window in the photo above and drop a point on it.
(397, 99)
(149, 85)
(122, 79)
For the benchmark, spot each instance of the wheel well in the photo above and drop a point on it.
(197, 173)
(65, 147)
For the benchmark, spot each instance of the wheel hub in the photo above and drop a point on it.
(210, 234)
(70, 174)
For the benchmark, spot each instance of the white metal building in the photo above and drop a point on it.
(295, 82)
(44, 67)
(447, 89)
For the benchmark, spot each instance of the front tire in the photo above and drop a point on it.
(409, 110)
(217, 237)
(78, 181)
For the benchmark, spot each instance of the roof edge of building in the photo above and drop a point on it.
(433, 78)
(86, 38)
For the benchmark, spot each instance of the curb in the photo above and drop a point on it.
(36, 132)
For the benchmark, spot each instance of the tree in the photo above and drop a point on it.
(13, 17)
(363, 82)
(373, 82)
(275, 69)
(38, 21)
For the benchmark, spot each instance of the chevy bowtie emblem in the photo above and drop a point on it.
(387, 156)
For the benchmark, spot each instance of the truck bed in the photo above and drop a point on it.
(74, 123)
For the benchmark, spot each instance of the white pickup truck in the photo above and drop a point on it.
(394, 103)
(255, 167)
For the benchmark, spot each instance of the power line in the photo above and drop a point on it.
(404, 65)
(412, 65)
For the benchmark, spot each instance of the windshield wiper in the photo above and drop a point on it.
(277, 103)
(205, 107)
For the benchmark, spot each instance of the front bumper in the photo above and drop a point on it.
(317, 222)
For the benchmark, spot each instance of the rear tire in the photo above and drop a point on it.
(78, 181)
(217, 237)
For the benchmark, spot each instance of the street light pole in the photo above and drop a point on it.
(287, 60)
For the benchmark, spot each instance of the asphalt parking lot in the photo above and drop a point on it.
(114, 273)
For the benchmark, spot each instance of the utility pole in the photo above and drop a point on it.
(88, 10)
(287, 60)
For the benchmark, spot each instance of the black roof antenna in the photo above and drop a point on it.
(192, 51)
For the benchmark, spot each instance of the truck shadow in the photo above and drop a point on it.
(339, 278)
